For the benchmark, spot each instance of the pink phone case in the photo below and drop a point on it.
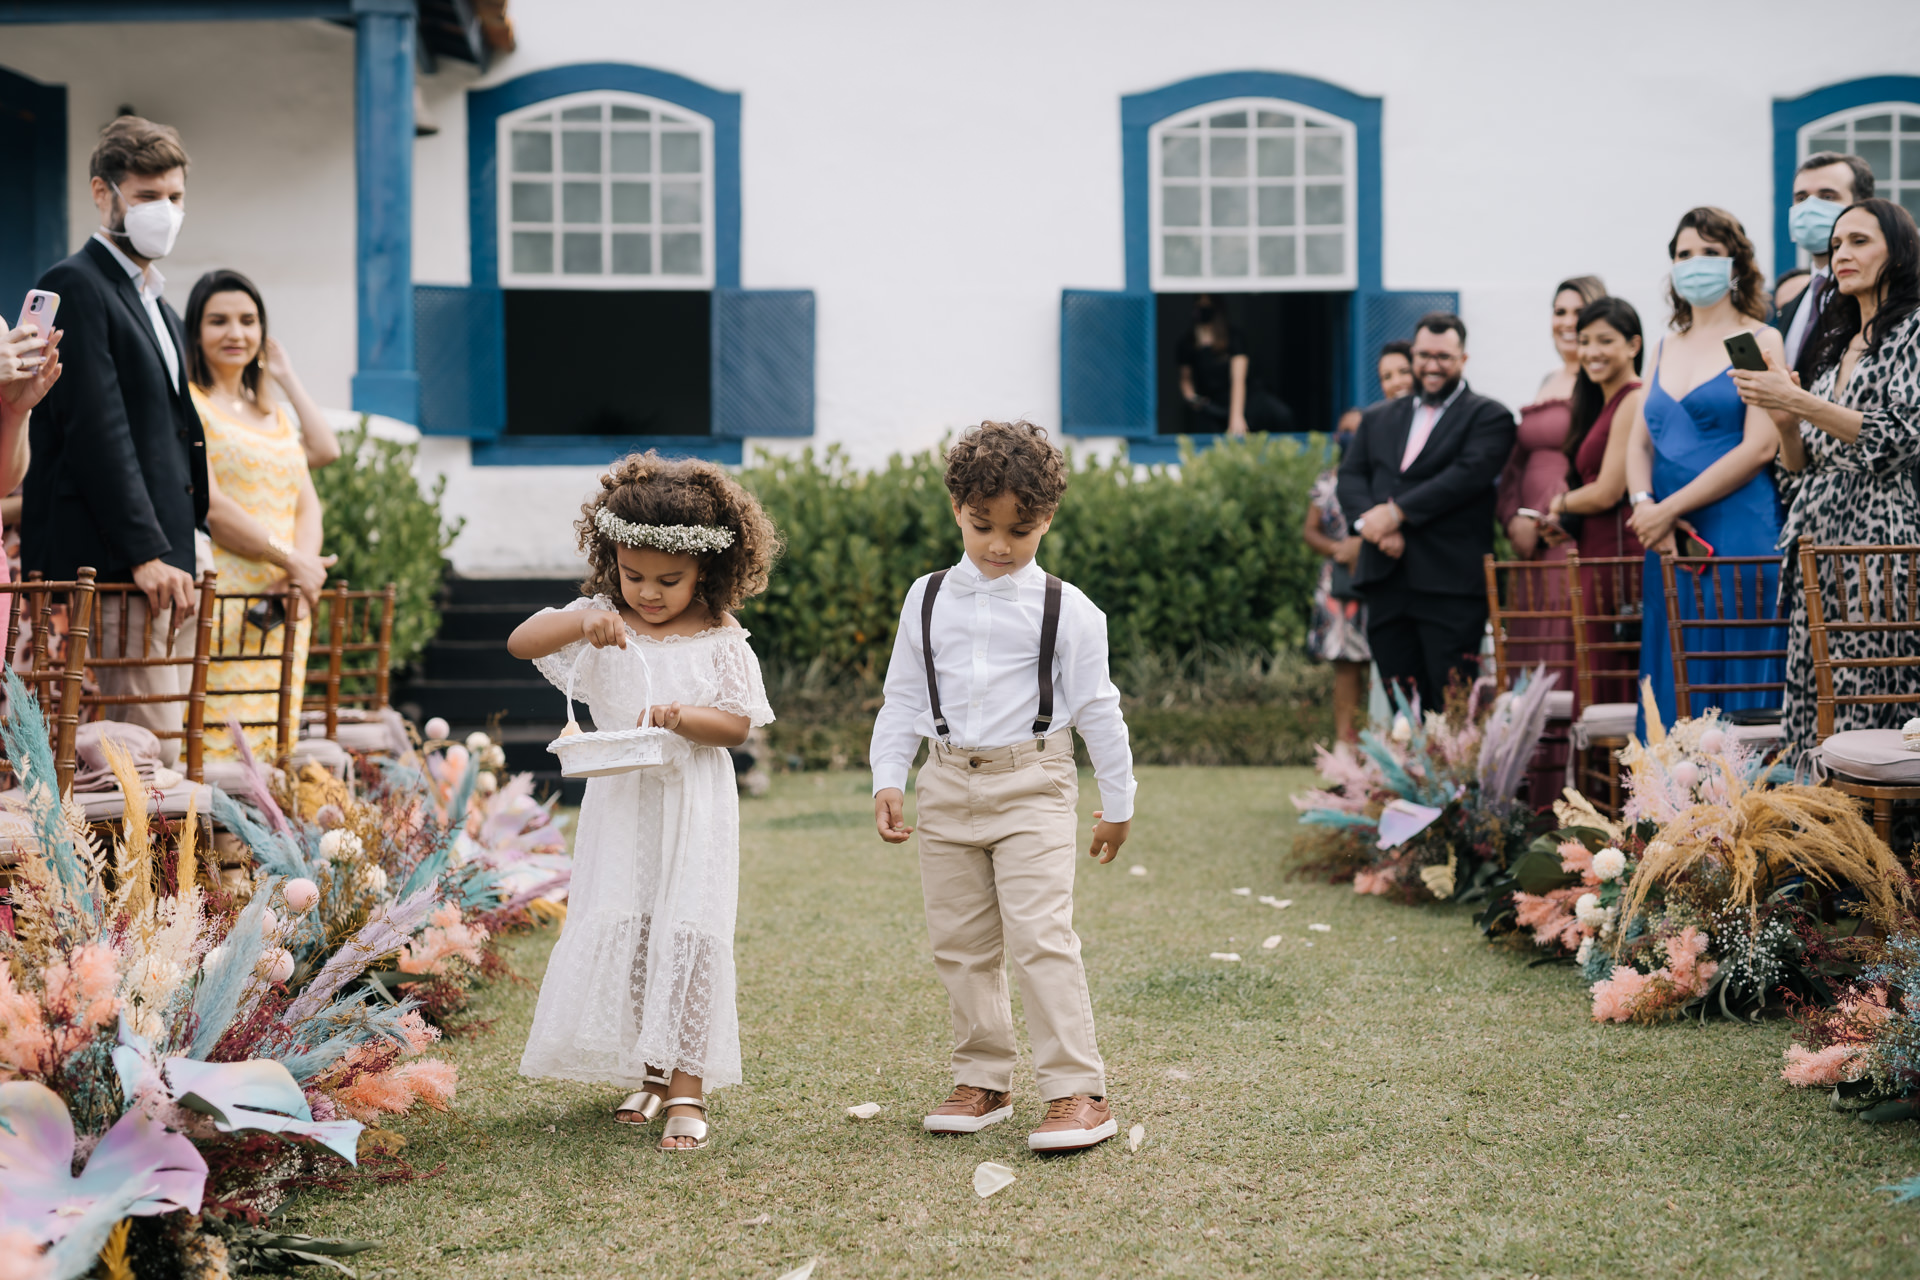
(39, 310)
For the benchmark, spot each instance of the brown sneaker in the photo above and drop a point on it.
(969, 1109)
(1073, 1123)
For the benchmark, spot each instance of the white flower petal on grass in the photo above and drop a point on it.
(1136, 870)
(1271, 943)
(988, 1178)
(1232, 957)
(1321, 928)
(1243, 893)
(1278, 904)
(759, 1220)
(1136, 1136)
(802, 1271)
(1175, 1073)
(865, 1111)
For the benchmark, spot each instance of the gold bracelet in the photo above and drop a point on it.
(282, 548)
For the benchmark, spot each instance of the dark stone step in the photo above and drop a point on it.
(447, 659)
(483, 621)
(534, 593)
(475, 702)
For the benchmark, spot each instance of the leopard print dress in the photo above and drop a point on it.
(1855, 494)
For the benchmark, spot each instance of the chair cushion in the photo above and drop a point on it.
(325, 752)
(1871, 755)
(1757, 735)
(104, 806)
(1560, 704)
(230, 777)
(1610, 719)
(369, 736)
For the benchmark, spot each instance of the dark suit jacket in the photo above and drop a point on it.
(119, 469)
(1783, 321)
(1446, 495)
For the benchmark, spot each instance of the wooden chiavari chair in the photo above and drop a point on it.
(349, 667)
(255, 655)
(126, 637)
(1606, 662)
(1732, 597)
(47, 629)
(1858, 591)
(1530, 611)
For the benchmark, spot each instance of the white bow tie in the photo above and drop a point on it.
(1004, 587)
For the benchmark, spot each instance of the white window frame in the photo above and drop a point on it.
(558, 279)
(1349, 276)
(1889, 187)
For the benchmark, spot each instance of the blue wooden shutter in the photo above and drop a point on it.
(1381, 316)
(1106, 363)
(459, 336)
(763, 362)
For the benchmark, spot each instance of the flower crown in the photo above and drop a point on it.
(675, 539)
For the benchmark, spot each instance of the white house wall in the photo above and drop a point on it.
(937, 174)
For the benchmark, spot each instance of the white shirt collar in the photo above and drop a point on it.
(1028, 576)
(148, 279)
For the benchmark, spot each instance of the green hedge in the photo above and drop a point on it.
(1208, 553)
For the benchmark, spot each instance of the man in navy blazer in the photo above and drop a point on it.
(1417, 484)
(118, 478)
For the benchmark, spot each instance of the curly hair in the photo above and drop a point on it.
(1007, 457)
(646, 488)
(1717, 226)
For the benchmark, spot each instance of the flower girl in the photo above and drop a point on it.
(640, 990)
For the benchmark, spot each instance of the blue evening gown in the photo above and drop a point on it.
(1689, 435)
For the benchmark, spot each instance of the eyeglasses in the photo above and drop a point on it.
(1434, 357)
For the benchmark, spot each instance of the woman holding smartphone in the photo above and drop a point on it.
(1697, 457)
(1848, 448)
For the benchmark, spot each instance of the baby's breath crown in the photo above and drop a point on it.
(675, 539)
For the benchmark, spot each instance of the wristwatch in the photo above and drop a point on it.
(1640, 497)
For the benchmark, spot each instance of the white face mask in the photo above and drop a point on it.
(152, 227)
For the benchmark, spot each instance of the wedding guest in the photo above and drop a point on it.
(1394, 368)
(29, 366)
(1220, 392)
(1825, 183)
(1339, 630)
(1848, 448)
(1537, 470)
(1698, 456)
(264, 514)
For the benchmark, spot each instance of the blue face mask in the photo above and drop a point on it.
(1701, 282)
(1810, 223)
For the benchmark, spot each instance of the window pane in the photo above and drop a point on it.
(580, 202)
(632, 113)
(1326, 205)
(671, 119)
(580, 253)
(1910, 124)
(631, 152)
(679, 153)
(1909, 159)
(1276, 207)
(1910, 201)
(1229, 255)
(1324, 154)
(1276, 256)
(1827, 142)
(1275, 158)
(1229, 206)
(1180, 157)
(632, 253)
(1275, 120)
(1873, 124)
(1326, 255)
(632, 202)
(1878, 155)
(542, 117)
(532, 152)
(1180, 206)
(680, 203)
(1227, 157)
(582, 113)
(580, 152)
(1231, 120)
(1180, 255)
(532, 202)
(680, 254)
(532, 252)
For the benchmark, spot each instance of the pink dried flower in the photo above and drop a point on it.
(1615, 998)
(1576, 859)
(1823, 1069)
(431, 1079)
(1370, 880)
(419, 1035)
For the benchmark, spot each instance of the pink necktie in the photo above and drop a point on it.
(1424, 416)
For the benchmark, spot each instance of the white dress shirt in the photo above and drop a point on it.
(150, 284)
(986, 653)
(1809, 311)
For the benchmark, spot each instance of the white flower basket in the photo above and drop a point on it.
(605, 752)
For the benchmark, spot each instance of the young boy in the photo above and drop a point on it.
(992, 661)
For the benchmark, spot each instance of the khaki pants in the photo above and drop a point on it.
(997, 854)
(172, 682)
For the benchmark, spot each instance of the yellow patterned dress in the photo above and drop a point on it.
(263, 468)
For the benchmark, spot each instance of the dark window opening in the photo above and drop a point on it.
(592, 362)
(1294, 342)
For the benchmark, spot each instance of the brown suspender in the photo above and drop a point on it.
(1049, 634)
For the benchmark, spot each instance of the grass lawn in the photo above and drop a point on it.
(1391, 1098)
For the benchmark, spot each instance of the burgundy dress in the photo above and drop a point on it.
(1536, 472)
(1602, 587)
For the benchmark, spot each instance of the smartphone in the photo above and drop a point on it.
(266, 613)
(1744, 350)
(38, 310)
(1689, 545)
(1531, 514)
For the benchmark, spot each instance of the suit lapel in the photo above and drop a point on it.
(129, 296)
(1400, 427)
(1455, 414)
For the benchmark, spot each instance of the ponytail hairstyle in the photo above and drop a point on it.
(1588, 399)
(645, 488)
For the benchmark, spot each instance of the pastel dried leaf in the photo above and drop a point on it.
(1231, 957)
(988, 1178)
(1136, 1136)
(1271, 943)
(1243, 893)
(865, 1111)
(802, 1271)
(1321, 928)
(1136, 870)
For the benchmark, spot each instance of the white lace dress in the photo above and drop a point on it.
(643, 972)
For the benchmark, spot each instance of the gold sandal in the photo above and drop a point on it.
(685, 1126)
(647, 1106)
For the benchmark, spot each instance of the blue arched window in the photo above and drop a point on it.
(604, 206)
(1877, 119)
(1248, 182)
